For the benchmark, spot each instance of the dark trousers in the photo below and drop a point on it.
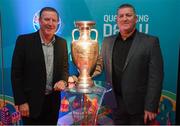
(121, 116)
(48, 115)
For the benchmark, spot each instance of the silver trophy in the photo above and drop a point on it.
(84, 54)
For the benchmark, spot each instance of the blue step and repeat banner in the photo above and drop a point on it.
(160, 18)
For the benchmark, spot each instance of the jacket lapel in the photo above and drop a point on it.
(113, 39)
(132, 50)
(111, 45)
(56, 57)
(40, 53)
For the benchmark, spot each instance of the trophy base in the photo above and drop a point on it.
(85, 87)
(84, 90)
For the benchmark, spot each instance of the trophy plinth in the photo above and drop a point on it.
(84, 54)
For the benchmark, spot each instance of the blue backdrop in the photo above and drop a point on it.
(160, 18)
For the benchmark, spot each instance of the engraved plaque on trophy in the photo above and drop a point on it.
(84, 54)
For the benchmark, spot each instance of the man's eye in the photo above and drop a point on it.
(46, 19)
(129, 15)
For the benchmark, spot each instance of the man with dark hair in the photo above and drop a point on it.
(40, 71)
(133, 66)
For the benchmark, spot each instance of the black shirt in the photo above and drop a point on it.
(120, 52)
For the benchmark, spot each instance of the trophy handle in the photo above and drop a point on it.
(96, 33)
(73, 33)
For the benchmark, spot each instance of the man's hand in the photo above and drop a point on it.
(149, 116)
(24, 109)
(60, 85)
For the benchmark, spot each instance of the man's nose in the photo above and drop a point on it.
(124, 17)
(50, 22)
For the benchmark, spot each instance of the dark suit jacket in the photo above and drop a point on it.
(142, 73)
(28, 72)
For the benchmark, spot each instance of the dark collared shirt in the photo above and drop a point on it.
(120, 52)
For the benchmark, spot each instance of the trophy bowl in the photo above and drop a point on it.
(84, 54)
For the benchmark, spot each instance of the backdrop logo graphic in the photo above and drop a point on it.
(167, 108)
(36, 25)
(9, 113)
(110, 27)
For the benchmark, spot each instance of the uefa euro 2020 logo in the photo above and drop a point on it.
(36, 22)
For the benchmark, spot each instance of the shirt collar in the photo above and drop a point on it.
(130, 37)
(51, 43)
